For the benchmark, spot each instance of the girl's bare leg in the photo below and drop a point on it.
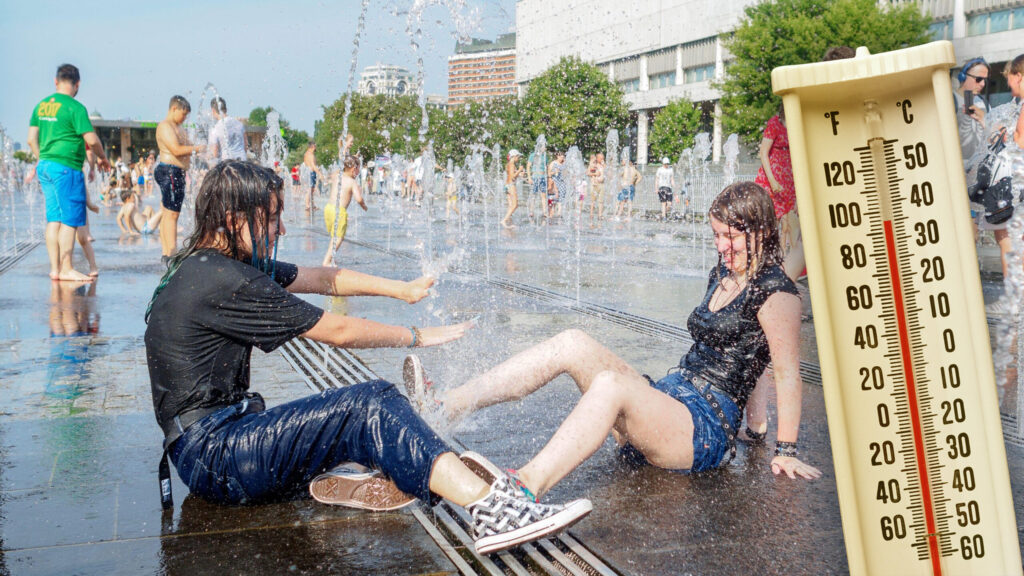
(85, 241)
(654, 423)
(572, 352)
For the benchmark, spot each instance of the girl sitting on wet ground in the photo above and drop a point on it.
(686, 421)
(225, 293)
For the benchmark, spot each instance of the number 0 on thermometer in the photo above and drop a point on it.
(902, 339)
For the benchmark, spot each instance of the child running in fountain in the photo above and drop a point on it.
(225, 293)
(452, 195)
(129, 218)
(688, 420)
(336, 210)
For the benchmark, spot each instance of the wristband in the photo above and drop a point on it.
(788, 449)
(415, 336)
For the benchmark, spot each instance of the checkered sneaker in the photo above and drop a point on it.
(503, 519)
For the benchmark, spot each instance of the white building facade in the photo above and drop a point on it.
(663, 50)
(388, 80)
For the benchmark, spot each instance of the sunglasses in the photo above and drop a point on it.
(978, 78)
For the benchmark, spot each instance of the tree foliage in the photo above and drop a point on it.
(296, 140)
(785, 32)
(454, 132)
(24, 156)
(674, 128)
(574, 103)
(379, 124)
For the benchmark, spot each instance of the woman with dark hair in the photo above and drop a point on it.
(686, 421)
(224, 293)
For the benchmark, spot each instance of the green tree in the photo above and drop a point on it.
(455, 131)
(24, 156)
(574, 103)
(296, 140)
(785, 32)
(674, 127)
(379, 124)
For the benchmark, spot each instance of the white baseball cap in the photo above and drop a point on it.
(665, 160)
(513, 152)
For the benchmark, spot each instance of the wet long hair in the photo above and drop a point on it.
(746, 207)
(253, 195)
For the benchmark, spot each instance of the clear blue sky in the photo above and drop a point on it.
(292, 55)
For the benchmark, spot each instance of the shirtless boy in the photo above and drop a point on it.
(175, 158)
(336, 210)
(131, 221)
(309, 159)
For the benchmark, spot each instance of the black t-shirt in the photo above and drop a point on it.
(730, 348)
(203, 326)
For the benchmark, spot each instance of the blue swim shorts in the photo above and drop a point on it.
(540, 185)
(64, 192)
(710, 443)
(171, 180)
(627, 193)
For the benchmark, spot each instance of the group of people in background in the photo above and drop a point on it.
(991, 139)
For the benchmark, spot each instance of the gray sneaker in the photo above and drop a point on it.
(356, 486)
(503, 519)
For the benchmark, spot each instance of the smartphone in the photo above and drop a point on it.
(968, 101)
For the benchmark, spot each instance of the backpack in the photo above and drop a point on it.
(993, 185)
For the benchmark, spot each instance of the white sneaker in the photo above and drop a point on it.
(356, 486)
(502, 519)
(417, 385)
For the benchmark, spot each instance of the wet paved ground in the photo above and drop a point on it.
(79, 445)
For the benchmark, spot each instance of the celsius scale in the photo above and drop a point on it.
(902, 338)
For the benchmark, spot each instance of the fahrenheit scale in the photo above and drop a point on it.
(902, 339)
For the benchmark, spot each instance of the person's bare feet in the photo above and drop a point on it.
(54, 275)
(94, 272)
(74, 276)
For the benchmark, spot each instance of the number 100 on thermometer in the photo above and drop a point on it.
(902, 339)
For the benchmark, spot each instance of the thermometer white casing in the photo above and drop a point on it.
(902, 338)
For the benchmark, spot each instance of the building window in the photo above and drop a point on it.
(663, 80)
(630, 85)
(993, 22)
(699, 74)
(1018, 18)
(941, 30)
(999, 21)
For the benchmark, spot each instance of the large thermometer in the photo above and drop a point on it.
(902, 339)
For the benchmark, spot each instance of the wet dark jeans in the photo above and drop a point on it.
(236, 458)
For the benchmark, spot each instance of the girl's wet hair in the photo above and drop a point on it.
(253, 195)
(746, 207)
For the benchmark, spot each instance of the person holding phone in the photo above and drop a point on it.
(971, 107)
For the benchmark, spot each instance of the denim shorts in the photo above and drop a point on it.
(627, 193)
(63, 191)
(710, 443)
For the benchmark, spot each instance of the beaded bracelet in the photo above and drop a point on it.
(786, 449)
(416, 336)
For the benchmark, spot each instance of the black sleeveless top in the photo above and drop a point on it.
(730, 349)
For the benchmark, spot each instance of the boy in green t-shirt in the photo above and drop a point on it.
(58, 134)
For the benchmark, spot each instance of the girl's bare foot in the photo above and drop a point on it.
(94, 272)
(74, 276)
